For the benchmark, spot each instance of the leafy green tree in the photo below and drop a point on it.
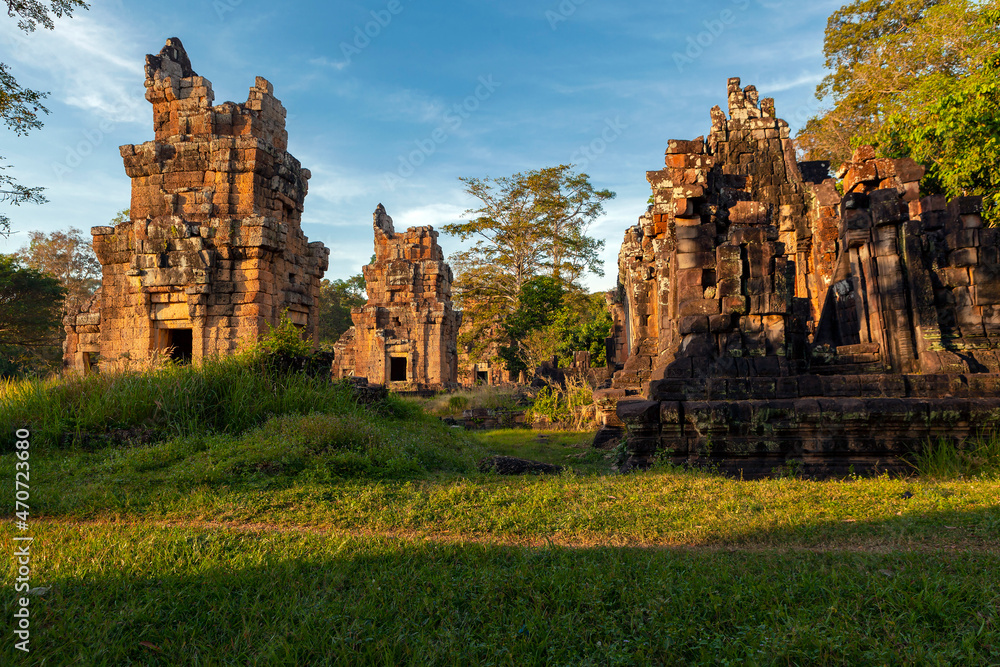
(20, 107)
(583, 326)
(539, 302)
(120, 217)
(894, 56)
(570, 204)
(958, 139)
(553, 322)
(336, 299)
(67, 256)
(530, 224)
(30, 305)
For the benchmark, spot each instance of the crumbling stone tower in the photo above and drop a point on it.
(213, 250)
(407, 333)
(764, 316)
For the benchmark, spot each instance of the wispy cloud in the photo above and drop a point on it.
(414, 105)
(323, 61)
(93, 65)
(787, 83)
(336, 185)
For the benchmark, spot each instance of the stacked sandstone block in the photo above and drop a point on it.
(767, 317)
(214, 242)
(408, 315)
(927, 262)
(82, 323)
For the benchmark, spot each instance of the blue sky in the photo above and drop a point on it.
(392, 100)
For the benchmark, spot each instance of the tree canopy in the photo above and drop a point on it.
(66, 256)
(892, 57)
(551, 321)
(30, 305)
(527, 225)
(336, 299)
(20, 107)
(958, 138)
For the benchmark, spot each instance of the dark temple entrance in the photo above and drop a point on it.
(180, 342)
(397, 369)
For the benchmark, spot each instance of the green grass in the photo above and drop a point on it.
(134, 593)
(947, 460)
(228, 395)
(482, 396)
(313, 530)
(570, 449)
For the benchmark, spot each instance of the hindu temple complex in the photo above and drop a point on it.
(764, 316)
(213, 251)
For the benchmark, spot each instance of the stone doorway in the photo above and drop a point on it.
(397, 369)
(180, 344)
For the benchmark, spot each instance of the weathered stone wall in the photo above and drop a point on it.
(82, 345)
(406, 334)
(213, 251)
(760, 304)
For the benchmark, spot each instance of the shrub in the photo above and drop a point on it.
(570, 407)
(458, 404)
(482, 396)
(946, 459)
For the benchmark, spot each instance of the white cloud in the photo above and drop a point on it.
(434, 215)
(86, 64)
(336, 185)
(412, 105)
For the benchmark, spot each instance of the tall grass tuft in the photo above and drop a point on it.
(945, 459)
(224, 395)
(492, 397)
(570, 407)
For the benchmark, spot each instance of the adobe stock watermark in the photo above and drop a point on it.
(363, 35)
(22, 543)
(586, 154)
(92, 139)
(713, 30)
(223, 7)
(562, 12)
(453, 119)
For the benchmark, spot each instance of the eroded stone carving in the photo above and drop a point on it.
(763, 316)
(213, 251)
(406, 334)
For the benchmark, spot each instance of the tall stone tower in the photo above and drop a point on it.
(213, 250)
(407, 333)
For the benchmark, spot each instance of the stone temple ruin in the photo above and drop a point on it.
(405, 336)
(765, 313)
(213, 250)
(763, 317)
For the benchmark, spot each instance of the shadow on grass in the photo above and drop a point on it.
(146, 595)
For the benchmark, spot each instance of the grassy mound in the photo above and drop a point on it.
(229, 422)
(224, 395)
